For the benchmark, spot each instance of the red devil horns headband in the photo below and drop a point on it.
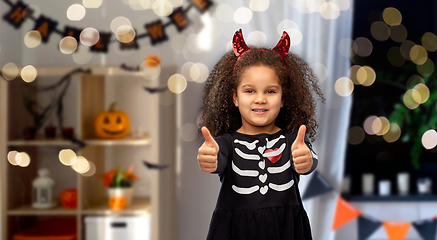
(240, 47)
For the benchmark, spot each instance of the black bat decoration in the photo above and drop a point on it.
(154, 166)
(155, 90)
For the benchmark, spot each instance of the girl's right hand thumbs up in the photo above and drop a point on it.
(208, 152)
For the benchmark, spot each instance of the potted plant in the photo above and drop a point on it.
(119, 184)
(415, 122)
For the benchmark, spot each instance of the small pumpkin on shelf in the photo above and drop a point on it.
(111, 124)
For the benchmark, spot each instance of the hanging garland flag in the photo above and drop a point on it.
(396, 230)
(426, 228)
(156, 32)
(202, 5)
(178, 18)
(17, 15)
(318, 185)
(344, 213)
(72, 32)
(102, 43)
(367, 226)
(130, 45)
(45, 26)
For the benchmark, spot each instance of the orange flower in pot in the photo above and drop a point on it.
(111, 124)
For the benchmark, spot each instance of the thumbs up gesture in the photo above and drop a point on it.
(208, 152)
(302, 158)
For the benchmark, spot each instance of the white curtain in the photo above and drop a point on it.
(320, 44)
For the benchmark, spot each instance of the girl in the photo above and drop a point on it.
(259, 104)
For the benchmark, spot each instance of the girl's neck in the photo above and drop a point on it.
(252, 130)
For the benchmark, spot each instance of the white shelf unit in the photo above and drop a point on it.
(87, 95)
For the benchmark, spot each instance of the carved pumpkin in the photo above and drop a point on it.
(111, 124)
(69, 198)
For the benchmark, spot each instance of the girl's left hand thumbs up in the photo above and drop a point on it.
(302, 158)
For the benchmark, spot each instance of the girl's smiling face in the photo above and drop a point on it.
(259, 100)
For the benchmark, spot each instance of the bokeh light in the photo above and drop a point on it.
(22, 159)
(398, 33)
(380, 30)
(28, 73)
(394, 56)
(429, 41)
(369, 126)
(81, 165)
(329, 10)
(385, 126)
(295, 36)
(256, 38)
(91, 170)
(177, 83)
(186, 70)
(67, 157)
(243, 15)
(10, 71)
(285, 25)
(68, 45)
(224, 13)
(145, 4)
(418, 54)
(366, 76)
(429, 139)
(176, 3)
(427, 68)
(199, 72)
(188, 132)
(423, 91)
(82, 55)
(92, 3)
(412, 99)
(344, 86)
(89, 36)
(363, 46)
(259, 5)
(353, 74)
(356, 135)
(320, 70)
(393, 134)
(162, 8)
(392, 16)
(76, 12)
(125, 34)
(413, 80)
(32, 39)
(118, 22)
(406, 48)
(11, 157)
(150, 71)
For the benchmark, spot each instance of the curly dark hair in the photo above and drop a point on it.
(299, 89)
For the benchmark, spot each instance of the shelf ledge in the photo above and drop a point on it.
(93, 142)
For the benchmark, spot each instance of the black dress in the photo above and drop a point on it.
(259, 197)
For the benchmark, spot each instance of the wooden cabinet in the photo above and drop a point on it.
(151, 114)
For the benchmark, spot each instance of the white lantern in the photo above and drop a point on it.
(42, 190)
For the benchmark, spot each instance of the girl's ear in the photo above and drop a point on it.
(235, 99)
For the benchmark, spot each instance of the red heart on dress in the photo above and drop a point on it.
(273, 159)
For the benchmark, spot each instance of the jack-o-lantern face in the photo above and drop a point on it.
(111, 124)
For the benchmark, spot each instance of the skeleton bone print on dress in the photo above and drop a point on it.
(262, 151)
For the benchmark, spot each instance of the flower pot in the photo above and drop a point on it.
(121, 192)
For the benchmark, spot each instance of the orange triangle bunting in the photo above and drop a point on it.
(344, 213)
(396, 230)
